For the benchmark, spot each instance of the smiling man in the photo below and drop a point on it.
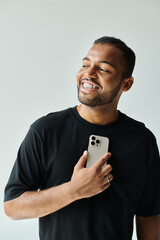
(49, 180)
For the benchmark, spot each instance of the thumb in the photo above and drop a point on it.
(82, 160)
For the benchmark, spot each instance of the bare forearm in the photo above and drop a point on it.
(148, 228)
(84, 183)
(41, 203)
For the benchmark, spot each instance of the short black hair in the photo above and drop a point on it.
(128, 53)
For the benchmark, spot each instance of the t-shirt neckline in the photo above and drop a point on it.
(79, 118)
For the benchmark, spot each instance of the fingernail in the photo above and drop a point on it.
(85, 153)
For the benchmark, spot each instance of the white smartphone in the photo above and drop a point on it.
(97, 147)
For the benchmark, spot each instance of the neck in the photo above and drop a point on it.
(100, 115)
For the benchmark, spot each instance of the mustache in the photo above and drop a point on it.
(91, 80)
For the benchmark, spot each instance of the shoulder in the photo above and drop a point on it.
(51, 120)
(136, 127)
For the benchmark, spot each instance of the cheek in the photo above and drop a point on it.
(113, 79)
(79, 76)
(107, 80)
(111, 82)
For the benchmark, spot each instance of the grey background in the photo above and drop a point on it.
(41, 47)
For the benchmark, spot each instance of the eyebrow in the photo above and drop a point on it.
(103, 61)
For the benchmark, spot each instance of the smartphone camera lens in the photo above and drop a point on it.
(97, 141)
(93, 143)
(93, 138)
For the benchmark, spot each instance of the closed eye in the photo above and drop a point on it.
(104, 70)
(85, 66)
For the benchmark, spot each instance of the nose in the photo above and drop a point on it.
(91, 72)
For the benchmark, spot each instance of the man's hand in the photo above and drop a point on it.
(87, 182)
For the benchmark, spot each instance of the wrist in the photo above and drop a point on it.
(72, 191)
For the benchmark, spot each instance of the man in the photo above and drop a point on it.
(50, 181)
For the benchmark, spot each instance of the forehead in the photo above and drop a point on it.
(106, 52)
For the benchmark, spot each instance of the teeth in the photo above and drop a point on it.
(89, 86)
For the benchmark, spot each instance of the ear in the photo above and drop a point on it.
(127, 84)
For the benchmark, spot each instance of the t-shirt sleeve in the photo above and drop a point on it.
(27, 172)
(149, 204)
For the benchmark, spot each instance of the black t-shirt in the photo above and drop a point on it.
(51, 149)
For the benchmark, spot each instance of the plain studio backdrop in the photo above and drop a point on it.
(42, 44)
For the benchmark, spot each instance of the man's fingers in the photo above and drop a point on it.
(100, 163)
(82, 160)
(106, 169)
(108, 178)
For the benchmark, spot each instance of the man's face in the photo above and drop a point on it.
(100, 78)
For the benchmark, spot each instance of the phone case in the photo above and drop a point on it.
(97, 147)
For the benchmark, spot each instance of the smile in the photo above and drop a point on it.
(89, 86)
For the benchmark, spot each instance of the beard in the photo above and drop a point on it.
(100, 99)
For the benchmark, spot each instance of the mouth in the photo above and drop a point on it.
(89, 85)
